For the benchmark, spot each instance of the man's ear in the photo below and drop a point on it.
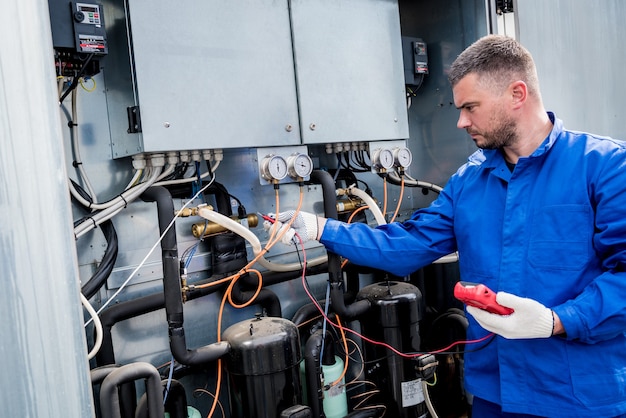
(518, 91)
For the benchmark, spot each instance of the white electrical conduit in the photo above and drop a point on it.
(380, 219)
(246, 234)
(117, 204)
(75, 147)
(185, 180)
(429, 403)
(97, 324)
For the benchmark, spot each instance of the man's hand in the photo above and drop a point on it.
(304, 224)
(530, 318)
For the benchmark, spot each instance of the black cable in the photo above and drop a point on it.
(76, 79)
(99, 278)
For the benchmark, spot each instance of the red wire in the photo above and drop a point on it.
(369, 340)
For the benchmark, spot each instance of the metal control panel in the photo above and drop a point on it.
(89, 32)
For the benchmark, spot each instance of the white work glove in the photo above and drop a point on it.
(530, 318)
(304, 224)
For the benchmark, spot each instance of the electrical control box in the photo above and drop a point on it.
(415, 55)
(78, 27)
(89, 32)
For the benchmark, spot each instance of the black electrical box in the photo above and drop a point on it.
(415, 55)
(78, 27)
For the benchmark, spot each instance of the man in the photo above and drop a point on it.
(538, 214)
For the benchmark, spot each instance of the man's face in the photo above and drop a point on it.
(484, 114)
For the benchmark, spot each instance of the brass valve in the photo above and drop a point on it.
(203, 229)
(349, 205)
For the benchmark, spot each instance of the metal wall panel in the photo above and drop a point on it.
(349, 67)
(212, 74)
(578, 46)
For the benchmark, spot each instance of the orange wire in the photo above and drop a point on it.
(399, 200)
(218, 382)
(245, 304)
(345, 347)
(362, 208)
(384, 196)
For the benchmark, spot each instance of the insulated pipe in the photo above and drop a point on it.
(169, 254)
(120, 312)
(175, 405)
(109, 397)
(127, 391)
(355, 309)
(172, 289)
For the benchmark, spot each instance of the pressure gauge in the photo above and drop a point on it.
(274, 167)
(383, 158)
(299, 165)
(402, 157)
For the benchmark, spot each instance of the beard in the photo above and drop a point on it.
(503, 133)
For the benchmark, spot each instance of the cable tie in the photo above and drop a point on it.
(125, 201)
(95, 225)
(75, 163)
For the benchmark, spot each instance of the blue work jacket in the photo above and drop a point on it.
(553, 230)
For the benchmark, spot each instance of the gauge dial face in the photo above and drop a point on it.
(383, 158)
(300, 165)
(402, 157)
(274, 168)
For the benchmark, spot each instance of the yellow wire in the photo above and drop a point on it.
(82, 84)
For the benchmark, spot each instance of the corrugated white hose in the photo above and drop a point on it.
(369, 201)
(246, 234)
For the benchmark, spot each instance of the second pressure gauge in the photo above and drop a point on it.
(274, 167)
(402, 157)
(299, 165)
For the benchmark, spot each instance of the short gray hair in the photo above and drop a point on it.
(498, 61)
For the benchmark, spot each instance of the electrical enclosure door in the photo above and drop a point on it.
(213, 74)
(350, 70)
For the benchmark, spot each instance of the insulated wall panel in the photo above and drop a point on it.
(578, 46)
(213, 74)
(350, 72)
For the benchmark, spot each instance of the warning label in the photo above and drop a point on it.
(412, 393)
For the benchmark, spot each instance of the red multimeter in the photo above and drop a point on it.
(479, 296)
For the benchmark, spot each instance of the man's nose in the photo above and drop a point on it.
(463, 122)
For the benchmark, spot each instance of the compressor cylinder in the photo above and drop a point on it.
(396, 309)
(263, 367)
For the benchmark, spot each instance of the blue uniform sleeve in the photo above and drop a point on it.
(598, 313)
(398, 248)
